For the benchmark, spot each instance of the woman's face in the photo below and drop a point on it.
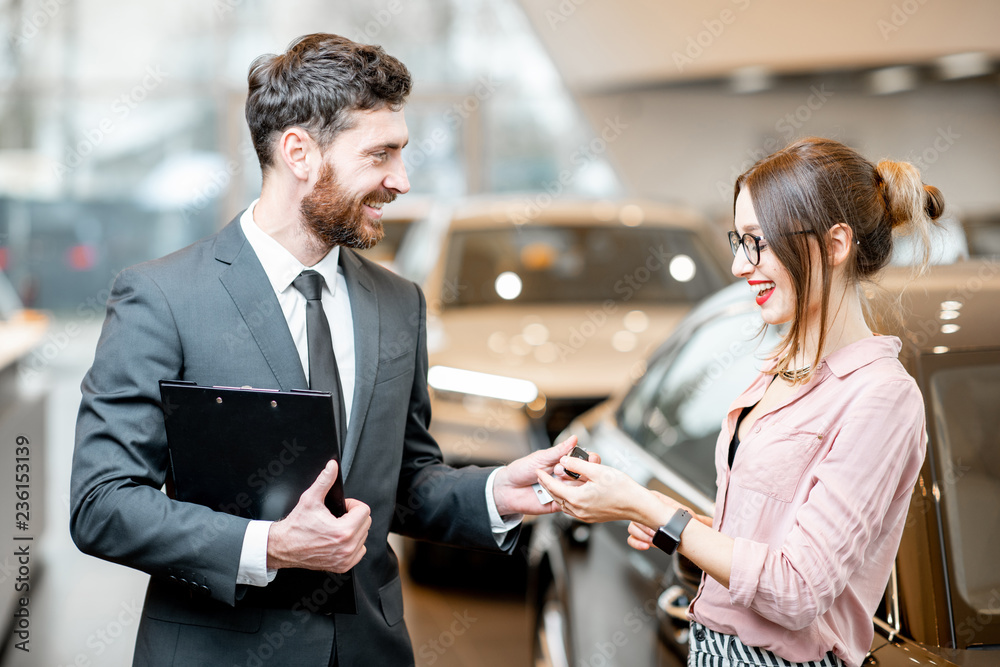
(771, 284)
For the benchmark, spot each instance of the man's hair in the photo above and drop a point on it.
(316, 84)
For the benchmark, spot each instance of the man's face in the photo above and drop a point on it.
(362, 170)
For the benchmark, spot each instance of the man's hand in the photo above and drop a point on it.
(312, 538)
(512, 490)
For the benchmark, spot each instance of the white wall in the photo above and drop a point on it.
(688, 143)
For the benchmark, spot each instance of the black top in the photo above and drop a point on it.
(735, 442)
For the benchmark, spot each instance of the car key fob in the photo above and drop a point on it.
(543, 495)
(580, 453)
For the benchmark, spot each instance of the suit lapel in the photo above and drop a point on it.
(364, 311)
(251, 291)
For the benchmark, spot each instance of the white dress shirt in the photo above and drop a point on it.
(282, 268)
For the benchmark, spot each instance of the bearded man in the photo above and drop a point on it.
(326, 118)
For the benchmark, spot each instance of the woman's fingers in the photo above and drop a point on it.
(641, 532)
(639, 536)
(638, 545)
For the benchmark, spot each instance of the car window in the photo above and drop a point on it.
(572, 264)
(676, 410)
(967, 423)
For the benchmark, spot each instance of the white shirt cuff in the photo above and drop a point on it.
(253, 557)
(501, 526)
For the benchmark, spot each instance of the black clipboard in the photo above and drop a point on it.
(252, 452)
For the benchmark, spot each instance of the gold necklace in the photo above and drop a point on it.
(795, 374)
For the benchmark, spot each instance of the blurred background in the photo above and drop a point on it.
(123, 139)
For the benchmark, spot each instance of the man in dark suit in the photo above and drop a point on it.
(327, 123)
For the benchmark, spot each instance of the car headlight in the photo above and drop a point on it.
(445, 378)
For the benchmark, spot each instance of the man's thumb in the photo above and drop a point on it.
(556, 452)
(324, 482)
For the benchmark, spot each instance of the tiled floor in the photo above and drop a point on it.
(84, 611)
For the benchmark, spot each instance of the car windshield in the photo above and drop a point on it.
(967, 424)
(573, 264)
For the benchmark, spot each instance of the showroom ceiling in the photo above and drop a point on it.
(599, 45)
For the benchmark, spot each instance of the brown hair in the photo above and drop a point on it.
(315, 85)
(812, 185)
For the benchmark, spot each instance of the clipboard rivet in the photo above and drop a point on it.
(274, 404)
(218, 399)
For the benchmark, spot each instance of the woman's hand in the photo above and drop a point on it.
(604, 494)
(641, 537)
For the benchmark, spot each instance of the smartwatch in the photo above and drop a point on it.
(669, 536)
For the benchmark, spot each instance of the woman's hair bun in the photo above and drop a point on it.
(907, 200)
(935, 202)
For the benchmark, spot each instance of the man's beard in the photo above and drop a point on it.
(337, 219)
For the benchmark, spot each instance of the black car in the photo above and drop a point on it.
(599, 602)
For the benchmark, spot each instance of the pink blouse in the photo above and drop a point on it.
(816, 503)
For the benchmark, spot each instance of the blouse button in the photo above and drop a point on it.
(757, 430)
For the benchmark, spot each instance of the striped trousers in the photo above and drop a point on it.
(709, 648)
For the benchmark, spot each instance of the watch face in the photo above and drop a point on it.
(664, 542)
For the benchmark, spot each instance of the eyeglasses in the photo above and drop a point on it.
(751, 244)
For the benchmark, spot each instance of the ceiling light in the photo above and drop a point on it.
(949, 328)
(753, 79)
(964, 65)
(889, 80)
(940, 349)
(949, 314)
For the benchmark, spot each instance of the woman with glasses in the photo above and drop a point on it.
(817, 459)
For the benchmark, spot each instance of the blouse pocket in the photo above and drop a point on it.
(775, 463)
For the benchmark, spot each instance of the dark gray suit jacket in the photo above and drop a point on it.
(207, 313)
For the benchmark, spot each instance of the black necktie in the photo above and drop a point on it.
(323, 374)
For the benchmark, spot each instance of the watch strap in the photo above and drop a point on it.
(669, 535)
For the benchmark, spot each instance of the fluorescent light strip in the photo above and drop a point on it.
(445, 378)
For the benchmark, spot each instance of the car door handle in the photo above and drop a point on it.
(673, 602)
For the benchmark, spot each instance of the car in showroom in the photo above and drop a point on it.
(598, 601)
(536, 313)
